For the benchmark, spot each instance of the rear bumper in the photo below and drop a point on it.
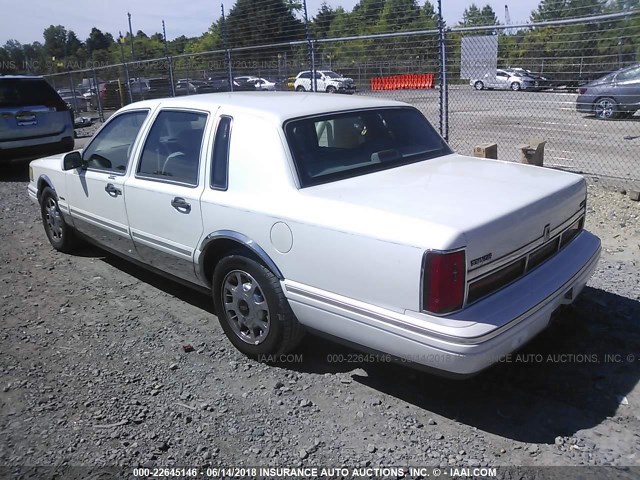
(468, 341)
(60, 144)
(584, 106)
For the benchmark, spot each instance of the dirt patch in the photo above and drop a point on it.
(93, 372)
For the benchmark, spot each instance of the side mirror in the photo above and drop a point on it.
(72, 160)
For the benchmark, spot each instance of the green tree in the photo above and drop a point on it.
(269, 21)
(322, 21)
(476, 17)
(98, 40)
(55, 42)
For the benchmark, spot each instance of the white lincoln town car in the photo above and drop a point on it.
(346, 216)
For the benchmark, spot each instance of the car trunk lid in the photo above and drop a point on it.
(492, 208)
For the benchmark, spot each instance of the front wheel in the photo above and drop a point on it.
(300, 88)
(515, 86)
(606, 108)
(331, 89)
(60, 235)
(252, 309)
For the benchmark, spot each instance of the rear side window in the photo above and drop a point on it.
(220, 166)
(172, 149)
(632, 74)
(20, 92)
(342, 145)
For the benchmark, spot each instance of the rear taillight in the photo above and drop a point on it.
(582, 90)
(443, 282)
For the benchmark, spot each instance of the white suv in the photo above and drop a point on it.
(327, 81)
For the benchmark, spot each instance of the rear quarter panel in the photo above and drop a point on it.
(264, 203)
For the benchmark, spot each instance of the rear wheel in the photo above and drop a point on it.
(606, 108)
(252, 309)
(515, 86)
(60, 235)
(478, 85)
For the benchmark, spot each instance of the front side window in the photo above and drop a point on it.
(111, 148)
(172, 149)
(343, 145)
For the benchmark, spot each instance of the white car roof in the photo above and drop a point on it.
(279, 106)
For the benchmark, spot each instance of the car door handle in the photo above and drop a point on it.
(181, 205)
(111, 190)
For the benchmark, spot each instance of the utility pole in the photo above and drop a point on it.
(133, 56)
(169, 60)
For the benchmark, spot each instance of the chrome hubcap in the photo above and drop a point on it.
(245, 307)
(53, 219)
(604, 109)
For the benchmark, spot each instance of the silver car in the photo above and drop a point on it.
(34, 120)
(503, 80)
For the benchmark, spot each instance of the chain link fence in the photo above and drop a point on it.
(510, 85)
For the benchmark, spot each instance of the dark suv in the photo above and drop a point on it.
(34, 120)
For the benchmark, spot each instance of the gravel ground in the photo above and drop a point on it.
(94, 371)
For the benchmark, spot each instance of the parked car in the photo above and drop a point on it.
(146, 88)
(221, 84)
(256, 83)
(616, 95)
(34, 120)
(504, 80)
(113, 94)
(541, 82)
(192, 87)
(347, 216)
(326, 80)
(244, 84)
(76, 101)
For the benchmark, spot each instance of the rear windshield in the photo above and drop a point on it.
(20, 92)
(343, 145)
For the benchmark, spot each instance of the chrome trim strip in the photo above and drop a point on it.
(99, 222)
(522, 251)
(160, 243)
(439, 336)
(149, 178)
(526, 256)
(245, 241)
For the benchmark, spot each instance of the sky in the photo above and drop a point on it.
(26, 20)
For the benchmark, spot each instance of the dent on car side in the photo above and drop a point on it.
(349, 255)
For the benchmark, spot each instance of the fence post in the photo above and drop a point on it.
(227, 52)
(312, 53)
(97, 87)
(442, 76)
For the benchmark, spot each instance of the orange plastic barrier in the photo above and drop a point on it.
(403, 82)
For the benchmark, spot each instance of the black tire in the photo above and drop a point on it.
(257, 319)
(478, 85)
(605, 108)
(61, 236)
(515, 86)
(300, 88)
(331, 89)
